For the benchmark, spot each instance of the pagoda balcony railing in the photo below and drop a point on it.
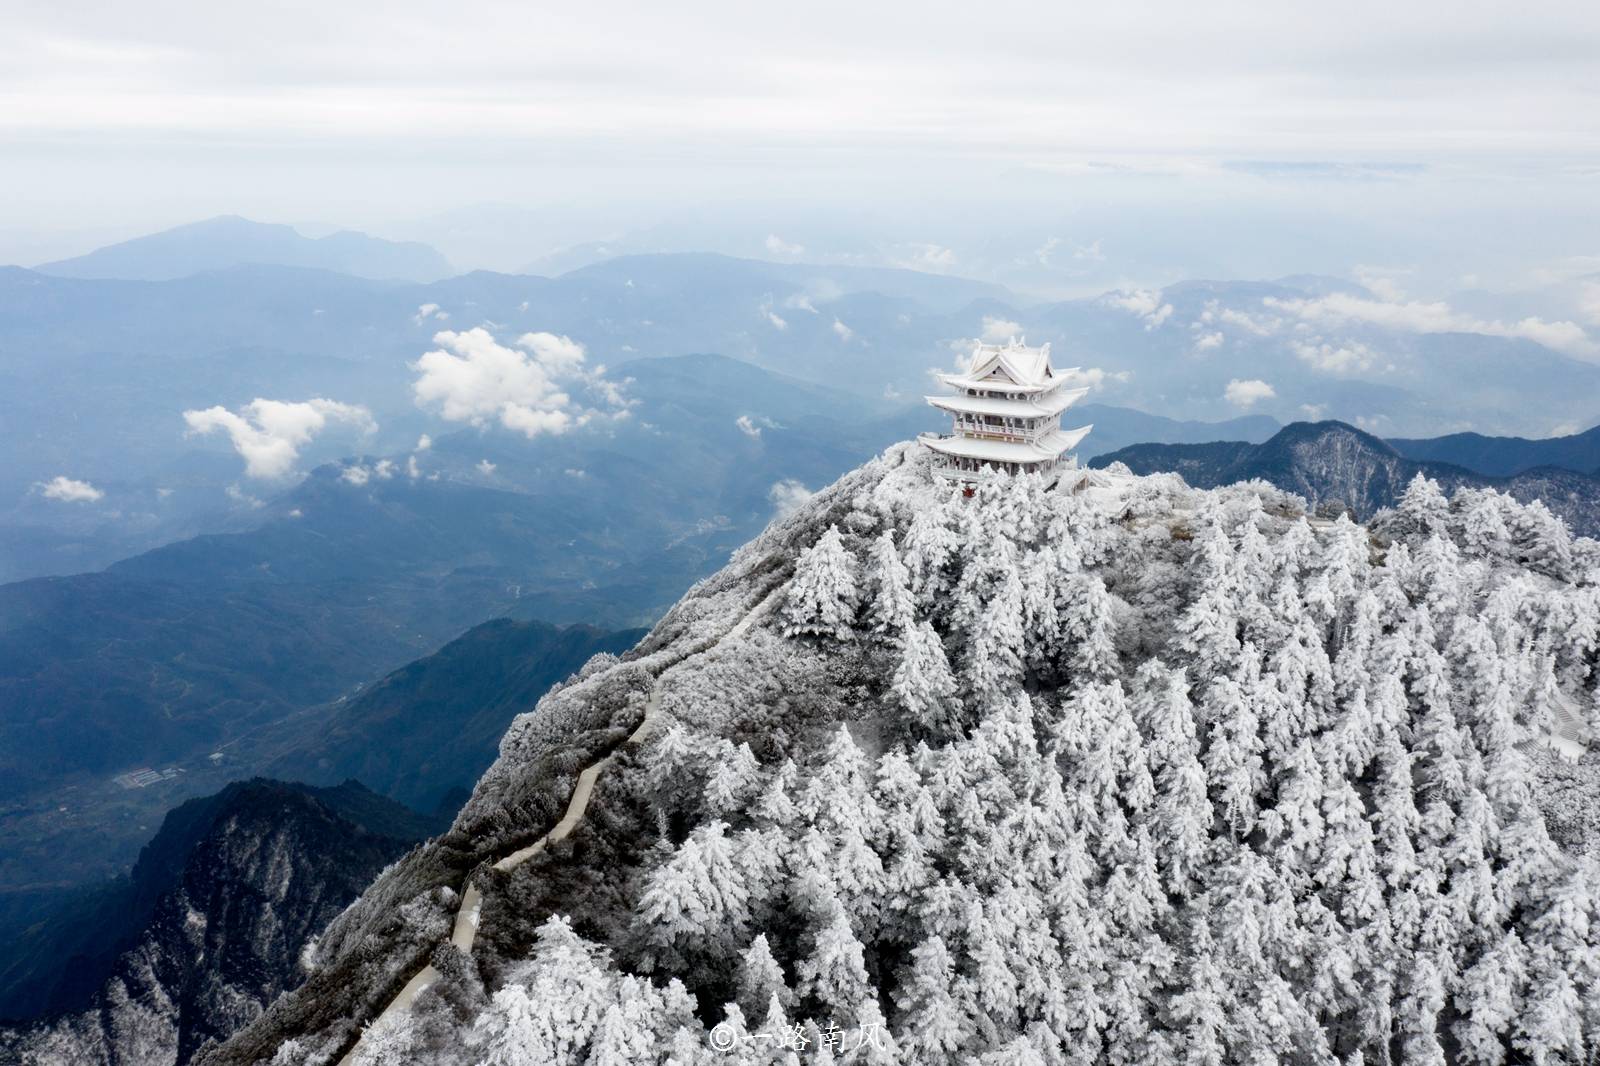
(988, 432)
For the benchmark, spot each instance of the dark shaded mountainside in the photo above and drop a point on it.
(209, 928)
(424, 734)
(1329, 462)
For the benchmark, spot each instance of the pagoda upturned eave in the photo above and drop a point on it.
(995, 384)
(1045, 406)
(1048, 447)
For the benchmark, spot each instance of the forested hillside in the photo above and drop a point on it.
(1128, 772)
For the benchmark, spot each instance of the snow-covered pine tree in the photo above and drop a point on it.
(822, 596)
(894, 609)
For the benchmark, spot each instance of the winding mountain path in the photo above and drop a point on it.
(465, 930)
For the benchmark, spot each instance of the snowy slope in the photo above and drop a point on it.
(1134, 773)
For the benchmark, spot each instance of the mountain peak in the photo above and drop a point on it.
(962, 775)
(231, 240)
(1333, 461)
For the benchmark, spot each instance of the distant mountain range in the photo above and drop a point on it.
(1331, 461)
(264, 329)
(208, 929)
(1504, 456)
(230, 241)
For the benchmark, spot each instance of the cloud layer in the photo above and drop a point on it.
(1338, 309)
(471, 377)
(268, 434)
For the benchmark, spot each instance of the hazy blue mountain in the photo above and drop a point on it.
(1504, 456)
(427, 731)
(1118, 427)
(697, 276)
(1330, 461)
(206, 931)
(230, 241)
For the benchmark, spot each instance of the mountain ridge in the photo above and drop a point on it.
(1333, 461)
(940, 768)
(208, 928)
(231, 241)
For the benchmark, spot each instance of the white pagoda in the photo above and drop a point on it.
(1007, 410)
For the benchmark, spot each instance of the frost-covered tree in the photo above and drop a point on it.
(761, 978)
(822, 596)
(894, 609)
(697, 904)
(923, 682)
(935, 1006)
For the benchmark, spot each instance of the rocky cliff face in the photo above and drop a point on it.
(1327, 461)
(246, 879)
(1123, 772)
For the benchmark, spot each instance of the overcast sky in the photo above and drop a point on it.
(118, 117)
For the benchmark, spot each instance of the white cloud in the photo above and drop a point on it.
(474, 378)
(1093, 376)
(999, 330)
(413, 468)
(485, 467)
(1380, 281)
(1346, 358)
(1418, 317)
(1145, 303)
(574, 472)
(1083, 252)
(777, 321)
(1215, 314)
(241, 497)
(921, 255)
(1314, 411)
(424, 442)
(297, 513)
(1208, 341)
(1589, 302)
(429, 311)
(383, 470)
(748, 427)
(778, 246)
(788, 496)
(68, 490)
(802, 302)
(356, 474)
(268, 434)
(1246, 393)
(844, 331)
